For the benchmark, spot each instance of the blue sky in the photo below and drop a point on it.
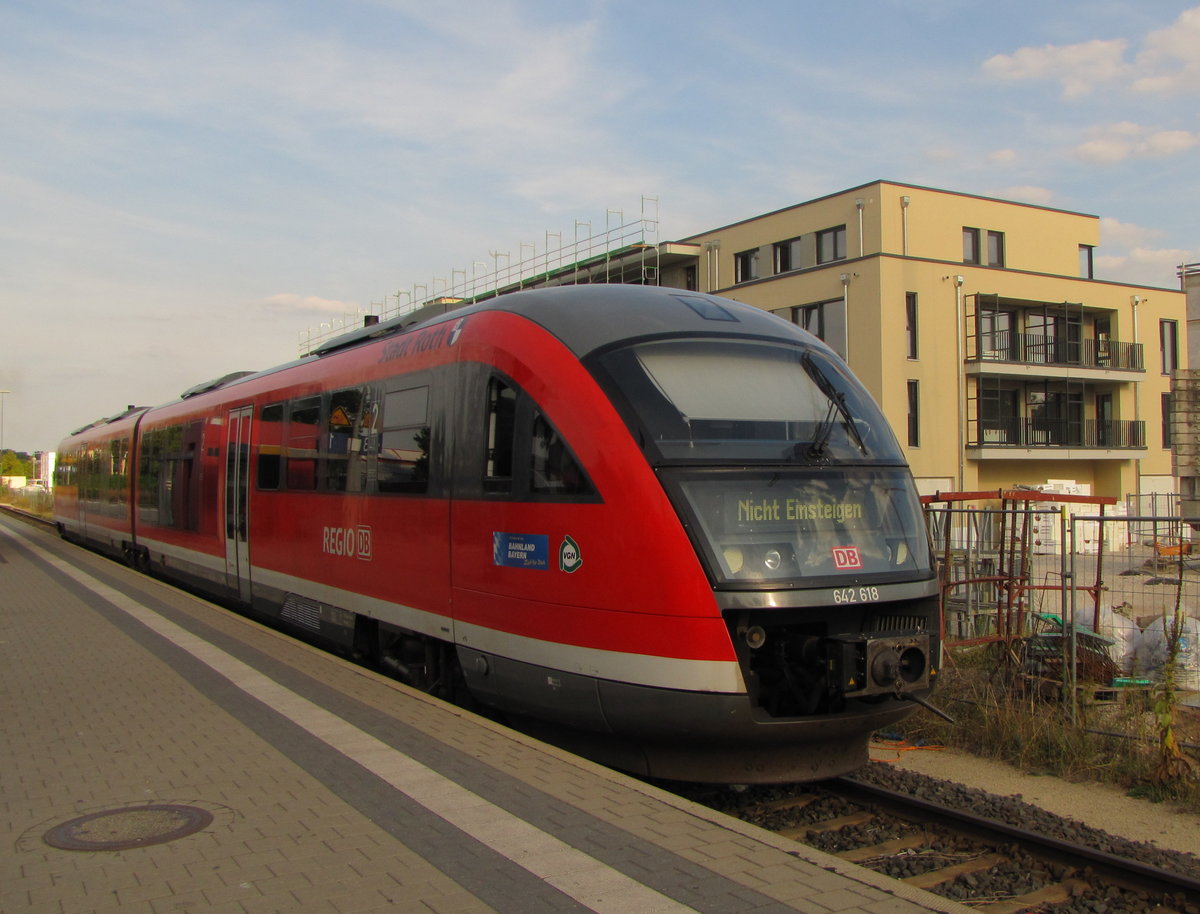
(188, 184)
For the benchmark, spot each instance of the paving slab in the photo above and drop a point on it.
(327, 787)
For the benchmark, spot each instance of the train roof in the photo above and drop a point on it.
(587, 318)
(129, 410)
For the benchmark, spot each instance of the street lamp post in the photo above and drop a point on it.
(2, 393)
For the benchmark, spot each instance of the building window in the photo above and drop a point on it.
(910, 322)
(914, 413)
(995, 249)
(1086, 264)
(745, 266)
(831, 244)
(690, 281)
(1166, 420)
(999, 413)
(970, 245)
(786, 255)
(1168, 344)
(998, 337)
(811, 318)
(825, 320)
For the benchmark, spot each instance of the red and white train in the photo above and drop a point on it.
(667, 521)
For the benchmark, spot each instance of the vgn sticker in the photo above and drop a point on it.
(569, 557)
(532, 550)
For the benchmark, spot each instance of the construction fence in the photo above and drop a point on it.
(1081, 590)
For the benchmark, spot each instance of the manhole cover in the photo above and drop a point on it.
(133, 826)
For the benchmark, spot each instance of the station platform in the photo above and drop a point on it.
(162, 754)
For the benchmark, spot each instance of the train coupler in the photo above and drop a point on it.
(893, 664)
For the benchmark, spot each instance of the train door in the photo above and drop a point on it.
(237, 491)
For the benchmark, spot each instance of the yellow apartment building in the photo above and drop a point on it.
(977, 323)
(997, 354)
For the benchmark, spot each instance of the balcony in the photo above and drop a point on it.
(1057, 439)
(1027, 354)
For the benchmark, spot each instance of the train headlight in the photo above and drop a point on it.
(772, 559)
(735, 559)
(900, 553)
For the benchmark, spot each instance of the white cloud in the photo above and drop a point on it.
(1170, 57)
(1169, 142)
(1125, 234)
(1103, 150)
(450, 96)
(1078, 67)
(1131, 255)
(1143, 266)
(1117, 142)
(1168, 61)
(1002, 156)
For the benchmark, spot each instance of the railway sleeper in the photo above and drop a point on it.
(950, 873)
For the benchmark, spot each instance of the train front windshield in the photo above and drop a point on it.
(724, 401)
(784, 467)
(810, 527)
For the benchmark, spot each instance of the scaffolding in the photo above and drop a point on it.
(993, 588)
(625, 251)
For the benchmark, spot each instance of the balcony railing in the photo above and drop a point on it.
(1077, 433)
(1037, 349)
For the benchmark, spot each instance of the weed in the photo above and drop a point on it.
(1001, 714)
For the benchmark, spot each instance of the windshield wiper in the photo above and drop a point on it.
(837, 401)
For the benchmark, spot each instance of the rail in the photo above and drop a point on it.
(1040, 349)
(1051, 433)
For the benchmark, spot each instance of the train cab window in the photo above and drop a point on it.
(304, 416)
(270, 442)
(526, 456)
(402, 464)
(554, 468)
(501, 418)
(343, 466)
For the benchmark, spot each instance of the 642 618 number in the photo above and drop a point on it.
(856, 595)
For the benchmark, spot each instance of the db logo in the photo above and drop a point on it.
(846, 557)
(351, 542)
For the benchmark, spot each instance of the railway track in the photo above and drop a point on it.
(977, 860)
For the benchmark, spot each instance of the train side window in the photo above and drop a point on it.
(402, 464)
(555, 471)
(304, 419)
(501, 426)
(270, 446)
(118, 483)
(343, 470)
(148, 475)
(185, 489)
